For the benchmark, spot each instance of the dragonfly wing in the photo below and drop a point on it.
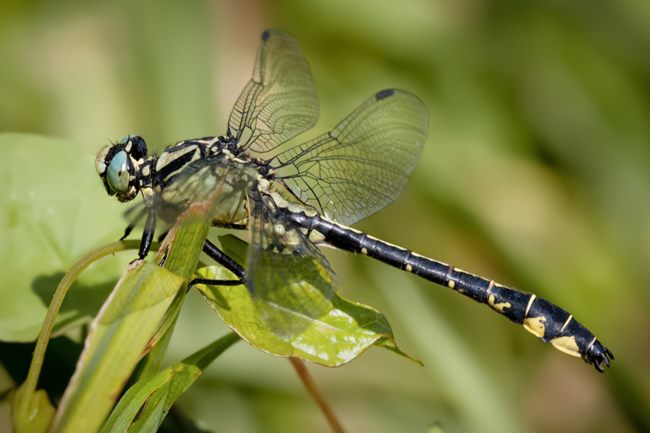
(361, 165)
(201, 178)
(279, 102)
(289, 278)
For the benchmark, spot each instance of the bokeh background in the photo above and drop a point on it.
(536, 173)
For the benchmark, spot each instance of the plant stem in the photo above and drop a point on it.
(309, 383)
(48, 323)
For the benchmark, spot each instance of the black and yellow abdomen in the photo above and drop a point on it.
(540, 317)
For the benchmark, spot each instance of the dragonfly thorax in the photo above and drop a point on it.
(126, 170)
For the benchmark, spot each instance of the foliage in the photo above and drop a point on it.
(137, 320)
(338, 335)
(535, 174)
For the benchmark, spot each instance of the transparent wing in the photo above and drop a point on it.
(290, 280)
(135, 214)
(361, 165)
(200, 179)
(279, 102)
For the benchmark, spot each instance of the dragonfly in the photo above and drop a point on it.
(294, 200)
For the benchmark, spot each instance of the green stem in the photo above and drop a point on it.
(48, 323)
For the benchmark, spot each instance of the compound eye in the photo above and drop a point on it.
(117, 174)
(127, 138)
(135, 145)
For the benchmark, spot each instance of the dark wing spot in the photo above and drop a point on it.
(266, 35)
(384, 94)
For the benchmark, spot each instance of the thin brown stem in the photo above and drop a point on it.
(309, 383)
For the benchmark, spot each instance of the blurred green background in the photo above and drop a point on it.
(536, 173)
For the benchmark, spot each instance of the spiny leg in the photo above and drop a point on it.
(162, 236)
(133, 223)
(229, 226)
(224, 260)
(147, 234)
(211, 282)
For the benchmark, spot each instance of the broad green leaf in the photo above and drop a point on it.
(40, 412)
(158, 393)
(27, 403)
(54, 210)
(342, 331)
(119, 335)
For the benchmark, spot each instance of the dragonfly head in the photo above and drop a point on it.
(119, 167)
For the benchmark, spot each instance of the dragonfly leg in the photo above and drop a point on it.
(133, 223)
(209, 282)
(147, 234)
(224, 260)
(162, 236)
(127, 231)
(229, 226)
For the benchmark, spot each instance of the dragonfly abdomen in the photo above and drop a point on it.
(540, 317)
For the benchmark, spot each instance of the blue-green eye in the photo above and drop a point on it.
(127, 138)
(118, 173)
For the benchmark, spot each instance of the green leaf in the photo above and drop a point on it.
(158, 393)
(118, 338)
(27, 402)
(182, 248)
(54, 211)
(40, 412)
(342, 331)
